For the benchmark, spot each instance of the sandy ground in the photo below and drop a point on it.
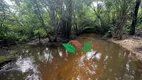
(131, 43)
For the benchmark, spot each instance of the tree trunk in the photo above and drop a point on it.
(66, 21)
(119, 27)
(119, 31)
(69, 18)
(134, 21)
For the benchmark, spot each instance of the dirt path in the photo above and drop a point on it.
(131, 43)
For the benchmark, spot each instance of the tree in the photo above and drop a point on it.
(66, 19)
(123, 9)
(57, 19)
(134, 20)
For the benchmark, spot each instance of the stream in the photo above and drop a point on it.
(105, 61)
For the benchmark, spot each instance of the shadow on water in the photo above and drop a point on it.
(105, 61)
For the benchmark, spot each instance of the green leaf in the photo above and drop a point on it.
(70, 48)
(87, 46)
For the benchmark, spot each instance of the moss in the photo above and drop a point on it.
(3, 58)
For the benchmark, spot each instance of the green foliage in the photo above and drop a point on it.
(70, 48)
(40, 31)
(87, 46)
(25, 19)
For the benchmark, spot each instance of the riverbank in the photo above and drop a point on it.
(131, 43)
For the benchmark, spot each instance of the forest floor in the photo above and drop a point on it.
(131, 43)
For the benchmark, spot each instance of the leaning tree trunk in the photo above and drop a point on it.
(134, 21)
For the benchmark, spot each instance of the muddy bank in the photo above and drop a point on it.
(131, 43)
(37, 42)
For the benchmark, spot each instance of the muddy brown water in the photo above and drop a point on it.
(105, 61)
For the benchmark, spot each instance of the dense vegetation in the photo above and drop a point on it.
(22, 20)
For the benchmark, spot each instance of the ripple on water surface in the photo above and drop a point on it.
(105, 61)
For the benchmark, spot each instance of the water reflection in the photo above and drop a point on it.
(27, 65)
(90, 55)
(105, 61)
(87, 62)
(47, 56)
